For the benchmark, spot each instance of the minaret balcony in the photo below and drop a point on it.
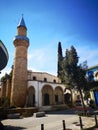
(21, 38)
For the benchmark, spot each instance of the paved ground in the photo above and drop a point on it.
(52, 121)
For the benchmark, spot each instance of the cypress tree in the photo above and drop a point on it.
(60, 60)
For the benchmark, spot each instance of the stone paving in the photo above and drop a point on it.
(52, 121)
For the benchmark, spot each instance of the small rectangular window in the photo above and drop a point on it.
(45, 79)
(54, 81)
(34, 78)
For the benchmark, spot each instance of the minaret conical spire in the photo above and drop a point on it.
(22, 23)
(22, 30)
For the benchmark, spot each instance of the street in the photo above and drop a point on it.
(52, 121)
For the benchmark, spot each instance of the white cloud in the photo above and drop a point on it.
(43, 59)
(36, 57)
(89, 54)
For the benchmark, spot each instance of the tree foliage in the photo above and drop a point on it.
(73, 74)
(60, 59)
(6, 76)
(69, 71)
(92, 85)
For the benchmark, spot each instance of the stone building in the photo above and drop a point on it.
(45, 90)
(33, 89)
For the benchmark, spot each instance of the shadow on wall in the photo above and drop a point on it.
(8, 127)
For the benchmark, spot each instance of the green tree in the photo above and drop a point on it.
(92, 85)
(81, 82)
(74, 74)
(4, 78)
(60, 60)
(70, 66)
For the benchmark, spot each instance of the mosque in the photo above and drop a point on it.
(33, 89)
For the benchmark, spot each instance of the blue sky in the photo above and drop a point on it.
(73, 22)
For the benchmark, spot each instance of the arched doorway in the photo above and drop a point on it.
(31, 97)
(67, 96)
(58, 95)
(46, 99)
(47, 95)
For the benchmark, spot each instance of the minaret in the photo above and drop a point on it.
(19, 78)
